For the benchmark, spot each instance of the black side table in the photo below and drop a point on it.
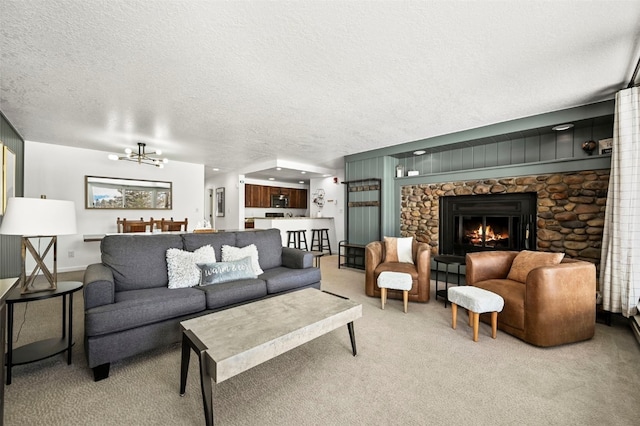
(42, 349)
(447, 260)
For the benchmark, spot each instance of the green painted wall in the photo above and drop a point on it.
(520, 147)
(10, 263)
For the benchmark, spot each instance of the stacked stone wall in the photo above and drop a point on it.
(570, 209)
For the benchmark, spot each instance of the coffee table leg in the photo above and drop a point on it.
(207, 391)
(352, 336)
(190, 341)
(184, 363)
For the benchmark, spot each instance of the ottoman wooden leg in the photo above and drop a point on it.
(494, 324)
(405, 299)
(383, 296)
(470, 315)
(454, 315)
(476, 320)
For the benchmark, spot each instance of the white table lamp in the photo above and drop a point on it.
(38, 218)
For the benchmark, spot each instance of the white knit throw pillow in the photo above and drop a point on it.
(230, 253)
(182, 268)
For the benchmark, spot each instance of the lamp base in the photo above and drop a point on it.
(27, 283)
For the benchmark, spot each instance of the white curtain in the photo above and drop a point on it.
(620, 262)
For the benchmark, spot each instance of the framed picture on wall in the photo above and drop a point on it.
(8, 176)
(1, 178)
(220, 202)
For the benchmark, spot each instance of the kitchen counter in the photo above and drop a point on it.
(285, 224)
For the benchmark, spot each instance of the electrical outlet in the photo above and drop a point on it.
(71, 253)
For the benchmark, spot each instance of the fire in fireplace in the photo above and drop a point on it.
(481, 231)
(487, 222)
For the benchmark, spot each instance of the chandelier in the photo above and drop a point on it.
(141, 157)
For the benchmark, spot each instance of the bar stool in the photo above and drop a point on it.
(320, 240)
(297, 238)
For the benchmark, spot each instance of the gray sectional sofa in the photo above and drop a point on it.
(129, 308)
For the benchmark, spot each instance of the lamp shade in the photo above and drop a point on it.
(38, 216)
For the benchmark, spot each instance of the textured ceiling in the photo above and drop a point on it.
(235, 83)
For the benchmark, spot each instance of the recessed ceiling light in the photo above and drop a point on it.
(561, 127)
(300, 181)
(419, 152)
(278, 168)
(215, 169)
(326, 175)
(303, 172)
(272, 178)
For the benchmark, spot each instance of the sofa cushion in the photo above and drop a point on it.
(527, 260)
(222, 272)
(182, 265)
(233, 292)
(268, 242)
(138, 261)
(230, 254)
(136, 308)
(283, 279)
(192, 241)
(398, 249)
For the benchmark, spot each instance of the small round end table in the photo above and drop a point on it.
(447, 260)
(42, 349)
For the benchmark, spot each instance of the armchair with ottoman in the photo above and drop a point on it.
(548, 300)
(388, 255)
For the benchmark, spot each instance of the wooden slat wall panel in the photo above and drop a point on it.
(363, 221)
(10, 245)
(508, 150)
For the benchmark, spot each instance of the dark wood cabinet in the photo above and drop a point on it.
(298, 198)
(260, 196)
(294, 199)
(252, 196)
(265, 196)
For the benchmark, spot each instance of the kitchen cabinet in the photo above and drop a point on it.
(260, 196)
(252, 196)
(298, 198)
(265, 196)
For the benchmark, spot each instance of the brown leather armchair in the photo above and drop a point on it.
(420, 271)
(555, 305)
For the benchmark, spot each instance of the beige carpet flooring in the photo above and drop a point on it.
(411, 369)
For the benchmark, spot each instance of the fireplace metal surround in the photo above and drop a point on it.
(471, 223)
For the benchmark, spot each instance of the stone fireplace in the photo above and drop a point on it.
(569, 215)
(487, 222)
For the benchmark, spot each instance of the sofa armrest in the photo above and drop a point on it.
(99, 288)
(560, 303)
(487, 265)
(296, 259)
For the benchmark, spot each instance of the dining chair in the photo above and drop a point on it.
(127, 226)
(172, 225)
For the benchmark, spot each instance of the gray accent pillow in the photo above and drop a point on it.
(222, 272)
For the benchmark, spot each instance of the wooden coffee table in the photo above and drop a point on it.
(234, 340)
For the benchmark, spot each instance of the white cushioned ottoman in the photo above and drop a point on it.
(477, 301)
(395, 281)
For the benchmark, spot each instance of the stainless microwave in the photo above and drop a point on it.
(280, 200)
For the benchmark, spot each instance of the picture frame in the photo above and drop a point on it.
(605, 146)
(220, 202)
(8, 176)
(1, 178)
